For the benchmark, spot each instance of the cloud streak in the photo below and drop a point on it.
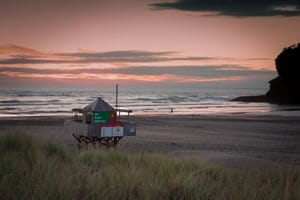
(174, 73)
(141, 66)
(236, 8)
(97, 57)
(130, 56)
(122, 77)
(19, 50)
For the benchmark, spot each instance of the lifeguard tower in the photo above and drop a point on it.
(99, 124)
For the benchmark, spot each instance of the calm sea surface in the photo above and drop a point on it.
(46, 102)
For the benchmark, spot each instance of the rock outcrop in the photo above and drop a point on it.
(284, 89)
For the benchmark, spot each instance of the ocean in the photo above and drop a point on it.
(51, 102)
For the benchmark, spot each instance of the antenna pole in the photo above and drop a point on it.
(117, 96)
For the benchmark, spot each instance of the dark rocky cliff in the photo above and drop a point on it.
(284, 89)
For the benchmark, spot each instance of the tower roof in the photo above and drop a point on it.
(99, 105)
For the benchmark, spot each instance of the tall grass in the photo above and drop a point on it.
(32, 169)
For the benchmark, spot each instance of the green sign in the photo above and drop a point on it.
(101, 117)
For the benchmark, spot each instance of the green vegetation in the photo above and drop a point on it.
(32, 169)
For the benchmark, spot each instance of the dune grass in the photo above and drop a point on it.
(31, 169)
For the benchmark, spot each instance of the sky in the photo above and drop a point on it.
(58, 43)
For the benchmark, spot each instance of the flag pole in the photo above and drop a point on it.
(116, 96)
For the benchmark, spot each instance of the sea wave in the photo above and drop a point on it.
(160, 101)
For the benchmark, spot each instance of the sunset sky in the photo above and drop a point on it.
(46, 43)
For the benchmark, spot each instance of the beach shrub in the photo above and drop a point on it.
(16, 141)
(52, 149)
(54, 173)
(20, 145)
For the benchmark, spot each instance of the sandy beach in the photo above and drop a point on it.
(239, 140)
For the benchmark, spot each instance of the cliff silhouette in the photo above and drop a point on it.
(285, 88)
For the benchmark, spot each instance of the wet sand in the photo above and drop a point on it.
(238, 140)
